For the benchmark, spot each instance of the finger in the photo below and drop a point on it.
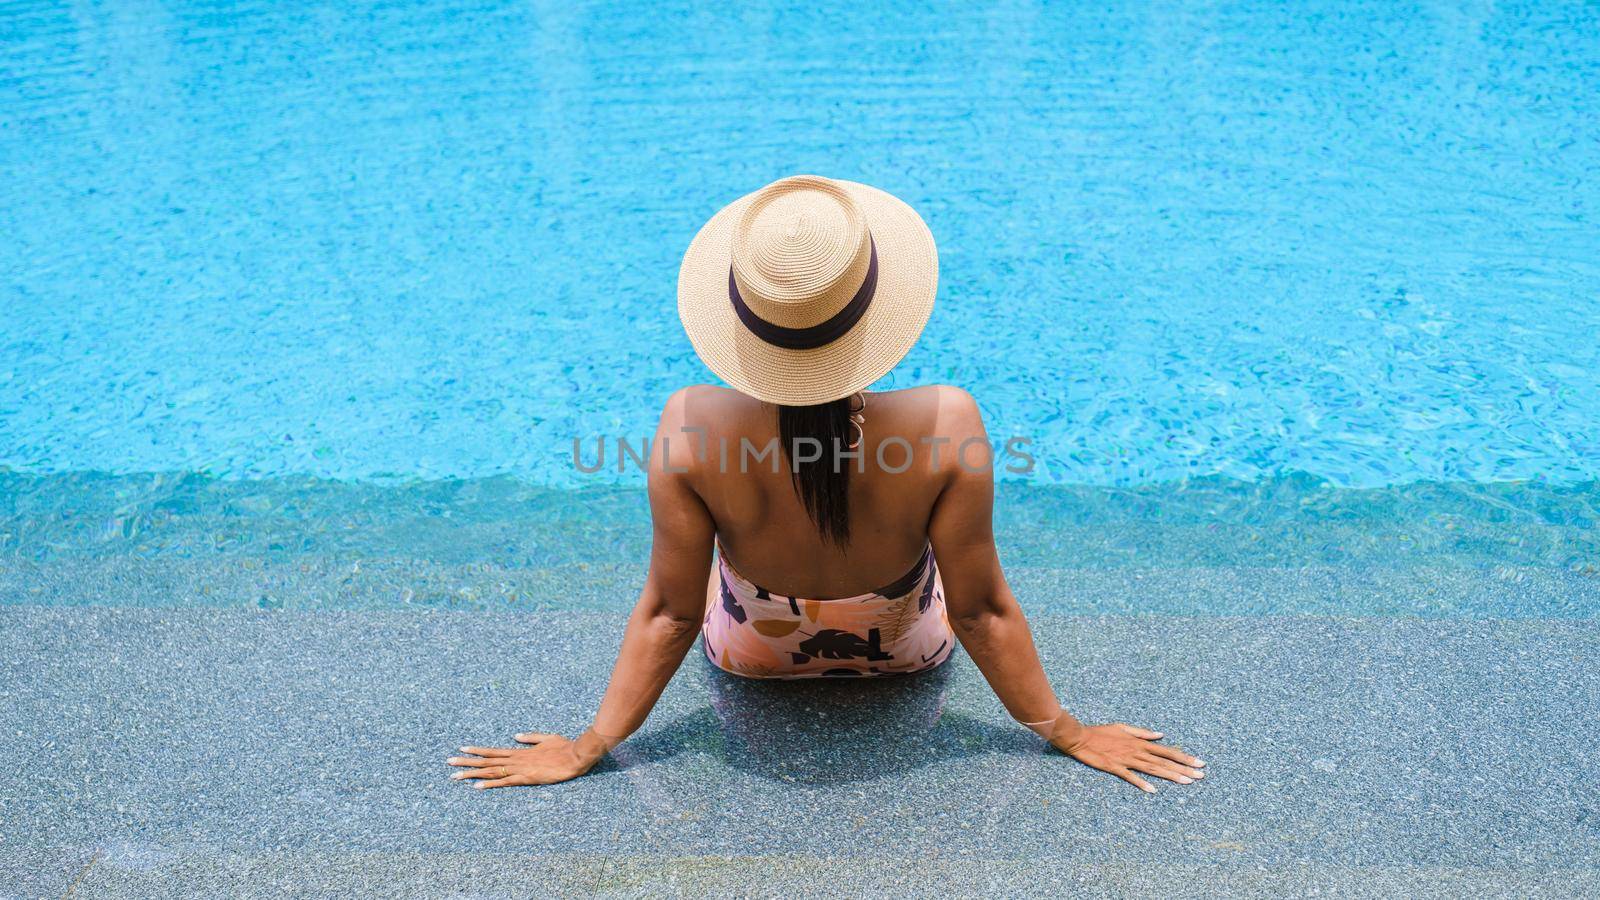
(502, 782)
(1134, 780)
(1187, 770)
(1176, 755)
(476, 760)
(1145, 733)
(484, 772)
(486, 751)
(1162, 769)
(534, 737)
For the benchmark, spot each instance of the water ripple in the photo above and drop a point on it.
(440, 240)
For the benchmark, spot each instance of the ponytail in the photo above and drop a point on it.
(823, 484)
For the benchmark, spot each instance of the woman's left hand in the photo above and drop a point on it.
(550, 759)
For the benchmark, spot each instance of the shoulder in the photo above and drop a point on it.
(701, 406)
(702, 400)
(695, 398)
(690, 417)
(937, 409)
(958, 409)
(943, 422)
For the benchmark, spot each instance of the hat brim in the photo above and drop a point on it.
(908, 278)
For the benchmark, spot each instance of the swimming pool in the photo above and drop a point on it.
(1265, 287)
(302, 306)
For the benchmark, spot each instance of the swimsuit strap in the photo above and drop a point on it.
(909, 581)
(903, 585)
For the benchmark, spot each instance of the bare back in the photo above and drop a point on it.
(759, 518)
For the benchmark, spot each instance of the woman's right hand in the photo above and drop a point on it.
(1124, 750)
(551, 758)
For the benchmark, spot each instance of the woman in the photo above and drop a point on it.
(852, 531)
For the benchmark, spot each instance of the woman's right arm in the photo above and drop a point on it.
(659, 633)
(667, 617)
(991, 627)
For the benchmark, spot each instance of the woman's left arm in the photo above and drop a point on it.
(660, 631)
(990, 624)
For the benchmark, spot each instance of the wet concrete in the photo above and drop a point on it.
(256, 752)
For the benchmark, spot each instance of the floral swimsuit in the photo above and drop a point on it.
(898, 629)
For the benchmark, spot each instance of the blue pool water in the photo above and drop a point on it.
(1331, 267)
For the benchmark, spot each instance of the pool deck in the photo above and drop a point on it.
(205, 752)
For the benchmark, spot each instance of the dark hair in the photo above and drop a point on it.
(823, 484)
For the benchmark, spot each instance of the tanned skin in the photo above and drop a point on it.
(698, 492)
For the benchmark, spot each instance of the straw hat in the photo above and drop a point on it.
(807, 290)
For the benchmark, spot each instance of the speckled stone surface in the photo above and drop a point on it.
(750, 875)
(156, 751)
